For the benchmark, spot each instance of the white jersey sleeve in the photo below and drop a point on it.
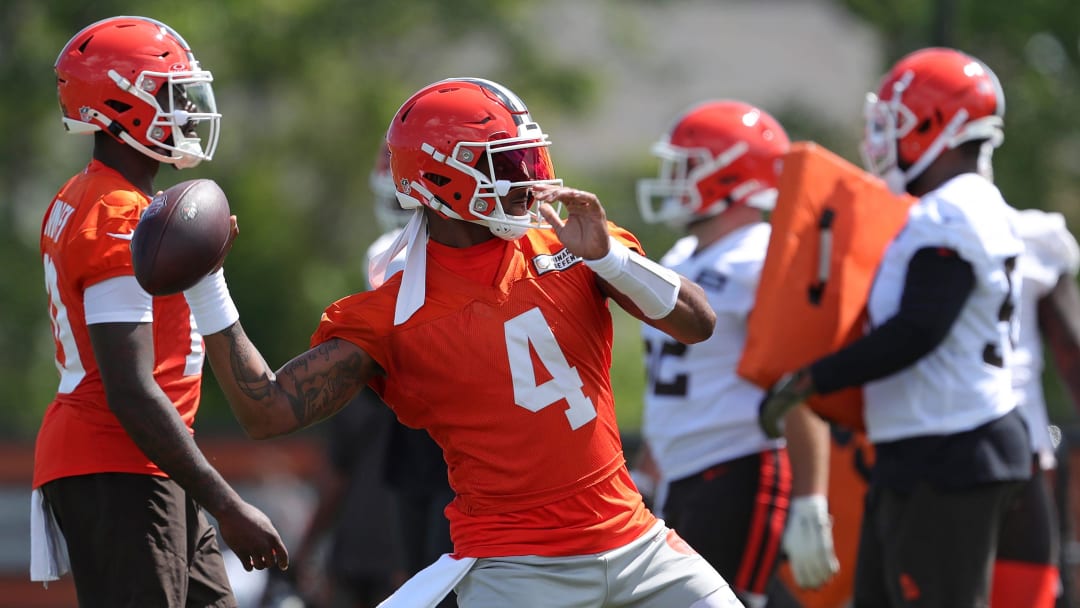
(965, 381)
(118, 300)
(1050, 252)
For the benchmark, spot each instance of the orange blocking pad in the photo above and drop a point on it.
(830, 228)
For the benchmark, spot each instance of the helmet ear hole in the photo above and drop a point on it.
(119, 106)
(435, 178)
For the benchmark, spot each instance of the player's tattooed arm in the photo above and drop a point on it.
(309, 388)
(324, 378)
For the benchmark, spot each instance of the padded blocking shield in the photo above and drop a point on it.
(830, 228)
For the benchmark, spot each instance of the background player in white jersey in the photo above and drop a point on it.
(951, 447)
(1026, 570)
(728, 486)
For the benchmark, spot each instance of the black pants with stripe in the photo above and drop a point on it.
(733, 514)
(930, 548)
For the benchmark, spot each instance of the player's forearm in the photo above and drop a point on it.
(311, 387)
(808, 444)
(1059, 320)
(125, 355)
(261, 406)
(154, 425)
(692, 320)
(656, 295)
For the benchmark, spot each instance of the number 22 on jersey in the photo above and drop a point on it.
(527, 332)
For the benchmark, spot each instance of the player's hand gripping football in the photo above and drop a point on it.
(791, 390)
(585, 230)
(234, 231)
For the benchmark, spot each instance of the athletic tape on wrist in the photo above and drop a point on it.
(650, 286)
(211, 304)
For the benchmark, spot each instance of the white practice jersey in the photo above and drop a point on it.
(1050, 252)
(964, 382)
(698, 412)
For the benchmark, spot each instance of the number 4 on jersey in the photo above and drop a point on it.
(531, 328)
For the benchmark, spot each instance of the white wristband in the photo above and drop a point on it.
(650, 286)
(611, 265)
(211, 304)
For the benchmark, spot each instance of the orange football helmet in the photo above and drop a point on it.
(932, 100)
(137, 79)
(459, 145)
(717, 154)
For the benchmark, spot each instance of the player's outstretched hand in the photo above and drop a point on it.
(791, 390)
(584, 231)
(249, 533)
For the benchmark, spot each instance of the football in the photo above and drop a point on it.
(181, 237)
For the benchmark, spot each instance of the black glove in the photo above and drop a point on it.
(791, 390)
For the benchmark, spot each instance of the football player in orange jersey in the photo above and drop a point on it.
(496, 338)
(119, 483)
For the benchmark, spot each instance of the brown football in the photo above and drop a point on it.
(181, 237)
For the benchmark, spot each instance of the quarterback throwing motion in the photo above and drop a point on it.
(496, 338)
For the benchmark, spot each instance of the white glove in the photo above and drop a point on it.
(808, 541)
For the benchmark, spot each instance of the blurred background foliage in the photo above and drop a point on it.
(306, 88)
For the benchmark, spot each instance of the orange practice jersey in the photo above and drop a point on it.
(85, 239)
(513, 382)
(830, 228)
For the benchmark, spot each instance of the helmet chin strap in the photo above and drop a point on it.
(898, 179)
(986, 156)
(186, 160)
